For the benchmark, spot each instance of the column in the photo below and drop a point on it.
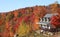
(47, 19)
(40, 19)
(43, 19)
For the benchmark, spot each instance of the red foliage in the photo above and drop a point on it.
(15, 27)
(18, 23)
(0, 22)
(32, 17)
(22, 11)
(26, 18)
(20, 19)
(55, 21)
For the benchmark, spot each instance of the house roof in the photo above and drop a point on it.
(47, 15)
(50, 15)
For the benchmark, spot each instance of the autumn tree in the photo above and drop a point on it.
(55, 21)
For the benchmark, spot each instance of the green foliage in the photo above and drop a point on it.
(19, 14)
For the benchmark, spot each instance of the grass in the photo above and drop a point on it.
(33, 34)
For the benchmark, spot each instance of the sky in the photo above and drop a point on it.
(10, 5)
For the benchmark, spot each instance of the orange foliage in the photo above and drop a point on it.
(35, 26)
(29, 15)
(0, 22)
(15, 13)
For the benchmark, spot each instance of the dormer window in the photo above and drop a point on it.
(42, 19)
(45, 19)
(49, 19)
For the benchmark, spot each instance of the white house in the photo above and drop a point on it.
(45, 21)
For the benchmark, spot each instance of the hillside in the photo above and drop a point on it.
(13, 20)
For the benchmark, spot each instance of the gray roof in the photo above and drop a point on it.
(50, 15)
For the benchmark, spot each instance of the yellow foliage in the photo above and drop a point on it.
(23, 29)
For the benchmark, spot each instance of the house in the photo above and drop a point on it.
(44, 22)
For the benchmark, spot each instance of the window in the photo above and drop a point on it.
(49, 19)
(45, 19)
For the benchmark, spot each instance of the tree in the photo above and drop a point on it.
(55, 21)
(19, 14)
